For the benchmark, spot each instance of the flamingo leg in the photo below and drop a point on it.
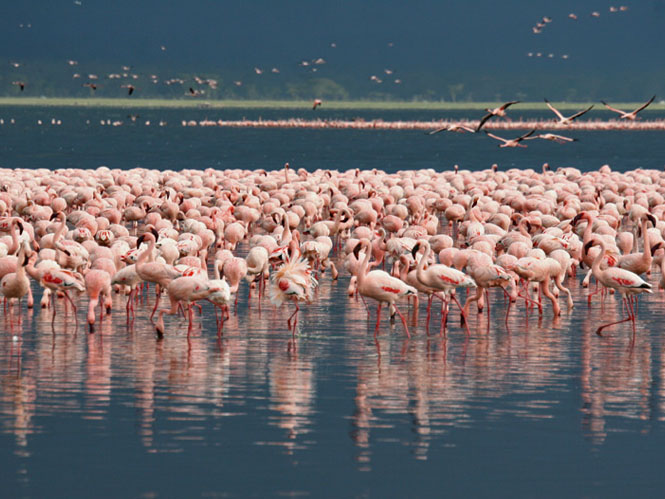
(406, 328)
(429, 310)
(466, 322)
(487, 294)
(76, 320)
(157, 290)
(53, 316)
(378, 320)
(444, 317)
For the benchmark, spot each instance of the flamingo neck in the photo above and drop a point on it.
(645, 237)
(363, 266)
(143, 257)
(61, 229)
(421, 264)
(595, 266)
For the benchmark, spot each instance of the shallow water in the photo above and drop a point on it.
(534, 407)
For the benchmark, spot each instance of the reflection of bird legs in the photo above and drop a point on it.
(293, 316)
(292, 346)
(630, 317)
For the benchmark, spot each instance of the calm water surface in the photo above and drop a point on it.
(535, 407)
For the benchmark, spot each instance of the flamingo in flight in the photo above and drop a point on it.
(452, 127)
(497, 111)
(628, 115)
(567, 120)
(559, 139)
(511, 142)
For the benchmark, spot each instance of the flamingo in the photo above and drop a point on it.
(292, 281)
(16, 285)
(61, 280)
(128, 277)
(624, 281)
(452, 127)
(497, 111)
(624, 115)
(154, 272)
(559, 139)
(441, 277)
(97, 282)
(639, 263)
(381, 286)
(511, 142)
(567, 120)
(185, 289)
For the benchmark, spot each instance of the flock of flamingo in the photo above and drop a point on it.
(399, 236)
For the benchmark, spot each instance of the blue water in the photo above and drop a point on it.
(76, 144)
(540, 407)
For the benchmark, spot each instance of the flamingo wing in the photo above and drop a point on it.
(612, 108)
(644, 105)
(554, 110)
(483, 120)
(433, 132)
(508, 104)
(577, 115)
(496, 137)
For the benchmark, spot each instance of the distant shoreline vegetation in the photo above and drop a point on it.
(197, 103)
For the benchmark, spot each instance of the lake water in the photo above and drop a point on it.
(535, 407)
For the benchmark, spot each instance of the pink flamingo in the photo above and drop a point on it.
(442, 278)
(154, 272)
(60, 280)
(184, 289)
(631, 116)
(128, 277)
(97, 282)
(511, 142)
(566, 120)
(292, 281)
(497, 111)
(639, 263)
(381, 286)
(16, 285)
(624, 281)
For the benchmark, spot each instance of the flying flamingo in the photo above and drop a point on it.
(497, 111)
(624, 115)
(453, 127)
(559, 139)
(381, 286)
(567, 120)
(511, 142)
(624, 281)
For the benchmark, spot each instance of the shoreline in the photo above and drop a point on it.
(193, 103)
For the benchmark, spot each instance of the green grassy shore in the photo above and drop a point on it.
(284, 104)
